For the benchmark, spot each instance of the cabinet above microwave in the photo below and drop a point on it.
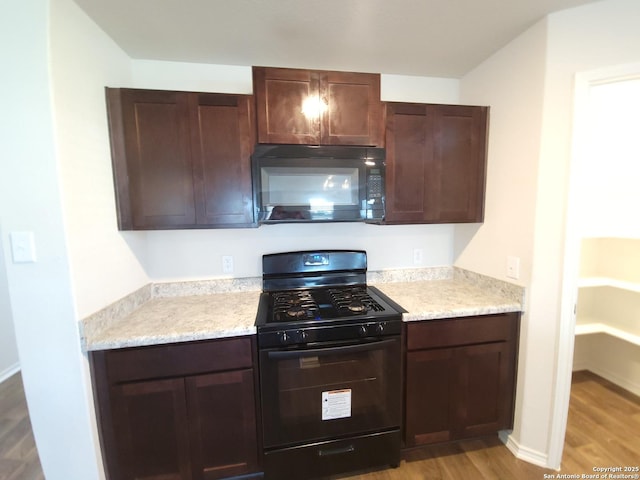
(296, 106)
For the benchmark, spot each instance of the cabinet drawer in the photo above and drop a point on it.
(178, 359)
(462, 331)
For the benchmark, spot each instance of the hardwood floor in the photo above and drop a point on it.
(479, 459)
(603, 430)
(18, 455)
(603, 427)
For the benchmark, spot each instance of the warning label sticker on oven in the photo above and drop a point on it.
(336, 404)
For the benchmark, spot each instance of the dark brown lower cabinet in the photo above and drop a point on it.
(460, 377)
(222, 424)
(152, 436)
(181, 411)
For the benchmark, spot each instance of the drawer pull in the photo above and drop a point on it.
(336, 451)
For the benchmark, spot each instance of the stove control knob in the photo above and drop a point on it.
(302, 336)
(284, 338)
(363, 331)
(380, 328)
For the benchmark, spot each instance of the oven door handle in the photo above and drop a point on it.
(321, 352)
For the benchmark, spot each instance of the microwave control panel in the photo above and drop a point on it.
(374, 186)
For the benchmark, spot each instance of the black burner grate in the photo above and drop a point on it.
(353, 300)
(292, 305)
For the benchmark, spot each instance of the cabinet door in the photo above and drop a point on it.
(460, 154)
(430, 396)
(150, 426)
(457, 393)
(280, 95)
(411, 173)
(317, 108)
(460, 377)
(151, 155)
(222, 136)
(354, 111)
(222, 424)
(484, 388)
(436, 157)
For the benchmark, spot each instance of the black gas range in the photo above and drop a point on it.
(313, 297)
(329, 353)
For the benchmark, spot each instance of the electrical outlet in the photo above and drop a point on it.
(513, 267)
(418, 255)
(227, 264)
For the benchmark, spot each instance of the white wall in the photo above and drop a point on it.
(405, 88)
(539, 143)
(181, 255)
(511, 82)
(609, 170)
(41, 295)
(105, 263)
(237, 79)
(9, 361)
(192, 77)
(612, 358)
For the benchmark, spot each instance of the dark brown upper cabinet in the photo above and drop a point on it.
(317, 107)
(181, 159)
(436, 162)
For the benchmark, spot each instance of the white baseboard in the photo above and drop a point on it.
(523, 453)
(9, 371)
(582, 365)
(609, 358)
(613, 377)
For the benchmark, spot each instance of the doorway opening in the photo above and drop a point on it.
(602, 219)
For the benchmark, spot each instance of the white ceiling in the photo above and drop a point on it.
(439, 38)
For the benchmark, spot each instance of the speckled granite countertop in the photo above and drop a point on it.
(427, 300)
(180, 319)
(185, 311)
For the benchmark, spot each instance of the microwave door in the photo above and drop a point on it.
(301, 183)
(310, 194)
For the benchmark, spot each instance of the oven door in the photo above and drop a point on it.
(330, 391)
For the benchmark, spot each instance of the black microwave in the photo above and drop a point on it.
(304, 183)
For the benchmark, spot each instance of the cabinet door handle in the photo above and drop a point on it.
(319, 352)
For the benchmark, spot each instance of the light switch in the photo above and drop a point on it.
(23, 247)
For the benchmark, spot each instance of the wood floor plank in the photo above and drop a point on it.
(10, 469)
(458, 465)
(18, 454)
(32, 469)
(496, 462)
(14, 436)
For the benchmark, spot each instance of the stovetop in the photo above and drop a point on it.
(322, 304)
(294, 317)
(313, 297)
